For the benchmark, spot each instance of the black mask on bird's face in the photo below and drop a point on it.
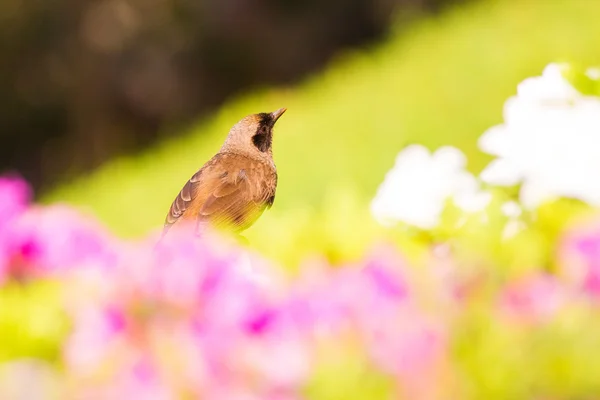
(263, 138)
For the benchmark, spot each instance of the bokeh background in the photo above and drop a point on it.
(109, 106)
(83, 82)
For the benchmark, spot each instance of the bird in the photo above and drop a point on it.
(233, 189)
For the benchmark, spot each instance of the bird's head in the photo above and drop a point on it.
(253, 134)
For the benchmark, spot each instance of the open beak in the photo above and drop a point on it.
(276, 114)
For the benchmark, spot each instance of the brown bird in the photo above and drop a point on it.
(234, 187)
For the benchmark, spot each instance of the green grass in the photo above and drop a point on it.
(440, 81)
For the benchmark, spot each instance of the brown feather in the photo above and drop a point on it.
(231, 190)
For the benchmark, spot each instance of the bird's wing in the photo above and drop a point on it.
(183, 200)
(231, 200)
(221, 192)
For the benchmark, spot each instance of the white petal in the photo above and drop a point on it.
(533, 194)
(495, 140)
(550, 140)
(415, 190)
(450, 157)
(593, 73)
(473, 202)
(511, 228)
(501, 172)
(511, 209)
(414, 153)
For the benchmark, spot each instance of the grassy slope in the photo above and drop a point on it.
(442, 81)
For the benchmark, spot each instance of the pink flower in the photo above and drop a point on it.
(52, 239)
(401, 339)
(96, 331)
(580, 257)
(189, 306)
(533, 299)
(14, 197)
(372, 303)
(405, 343)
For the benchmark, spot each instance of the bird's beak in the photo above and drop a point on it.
(276, 114)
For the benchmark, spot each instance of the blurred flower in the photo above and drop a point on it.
(549, 142)
(416, 188)
(533, 299)
(593, 73)
(17, 379)
(51, 239)
(514, 225)
(372, 303)
(194, 318)
(14, 198)
(511, 209)
(206, 319)
(580, 257)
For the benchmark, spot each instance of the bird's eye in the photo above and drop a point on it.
(263, 130)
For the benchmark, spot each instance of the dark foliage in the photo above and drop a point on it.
(82, 80)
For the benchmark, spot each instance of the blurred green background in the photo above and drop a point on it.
(439, 78)
(83, 81)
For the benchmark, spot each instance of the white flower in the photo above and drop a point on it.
(415, 189)
(514, 225)
(511, 209)
(512, 228)
(593, 73)
(549, 142)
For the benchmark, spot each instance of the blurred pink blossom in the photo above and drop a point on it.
(580, 257)
(226, 332)
(206, 319)
(14, 199)
(533, 299)
(50, 239)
